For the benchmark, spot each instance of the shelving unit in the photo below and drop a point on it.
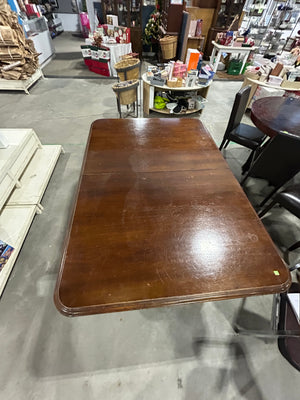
(271, 24)
(25, 169)
(148, 88)
(129, 15)
(254, 83)
(225, 11)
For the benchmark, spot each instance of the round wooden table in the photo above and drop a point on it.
(274, 114)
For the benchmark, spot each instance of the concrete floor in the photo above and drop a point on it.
(180, 352)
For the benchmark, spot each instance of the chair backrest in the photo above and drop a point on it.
(238, 109)
(279, 159)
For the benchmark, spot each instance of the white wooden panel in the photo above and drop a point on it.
(25, 155)
(6, 84)
(36, 176)
(13, 160)
(14, 225)
(27, 161)
(43, 45)
(6, 186)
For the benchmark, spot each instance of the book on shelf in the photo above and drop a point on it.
(5, 252)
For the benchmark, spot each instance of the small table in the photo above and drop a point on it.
(116, 51)
(255, 83)
(149, 91)
(245, 51)
(159, 219)
(274, 114)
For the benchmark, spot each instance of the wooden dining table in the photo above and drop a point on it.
(159, 219)
(274, 114)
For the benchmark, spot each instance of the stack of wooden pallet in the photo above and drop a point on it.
(18, 57)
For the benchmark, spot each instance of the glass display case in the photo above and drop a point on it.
(273, 24)
(129, 15)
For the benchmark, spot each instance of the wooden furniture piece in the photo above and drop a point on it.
(196, 43)
(159, 219)
(225, 12)
(149, 91)
(205, 12)
(171, 16)
(274, 114)
(219, 49)
(25, 169)
(129, 15)
(255, 83)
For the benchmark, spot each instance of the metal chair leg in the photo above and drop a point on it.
(266, 209)
(222, 144)
(119, 106)
(248, 162)
(268, 197)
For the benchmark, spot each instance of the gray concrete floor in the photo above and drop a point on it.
(181, 352)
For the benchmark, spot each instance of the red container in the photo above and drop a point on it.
(99, 67)
(88, 62)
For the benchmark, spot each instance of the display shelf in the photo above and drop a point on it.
(22, 144)
(129, 14)
(24, 84)
(14, 225)
(25, 169)
(166, 111)
(266, 84)
(148, 87)
(255, 83)
(35, 179)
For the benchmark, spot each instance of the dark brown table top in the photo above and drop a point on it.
(161, 220)
(274, 114)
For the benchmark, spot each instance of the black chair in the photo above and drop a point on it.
(289, 346)
(286, 331)
(289, 198)
(277, 161)
(243, 134)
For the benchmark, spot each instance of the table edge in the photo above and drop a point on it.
(161, 302)
(222, 47)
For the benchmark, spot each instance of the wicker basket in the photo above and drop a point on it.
(179, 82)
(172, 83)
(126, 91)
(168, 46)
(128, 68)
